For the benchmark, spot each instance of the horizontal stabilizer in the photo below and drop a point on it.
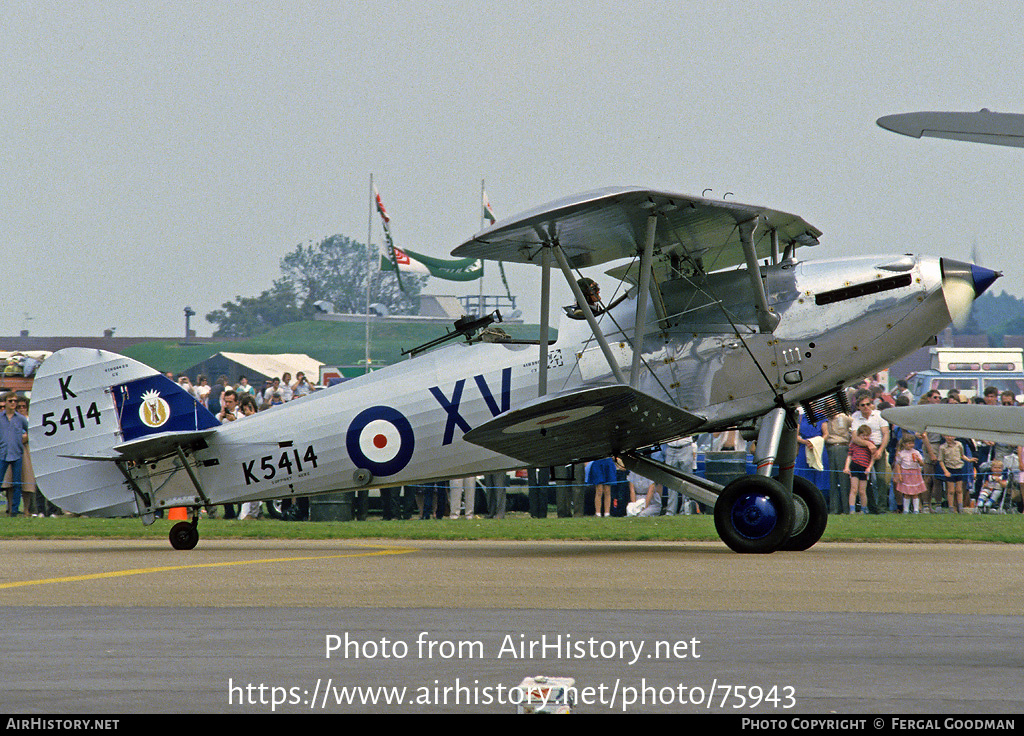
(583, 425)
(1003, 424)
(159, 444)
(147, 448)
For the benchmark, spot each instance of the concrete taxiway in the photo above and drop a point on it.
(133, 626)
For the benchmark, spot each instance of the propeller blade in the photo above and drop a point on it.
(962, 283)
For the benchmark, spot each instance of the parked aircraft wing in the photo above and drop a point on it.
(1003, 424)
(984, 126)
(607, 224)
(583, 425)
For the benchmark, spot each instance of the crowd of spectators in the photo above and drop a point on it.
(275, 391)
(857, 461)
(876, 468)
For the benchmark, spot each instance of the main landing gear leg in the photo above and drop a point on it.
(787, 450)
(185, 534)
(810, 513)
(769, 438)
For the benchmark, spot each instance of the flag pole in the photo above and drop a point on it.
(480, 303)
(369, 273)
(487, 214)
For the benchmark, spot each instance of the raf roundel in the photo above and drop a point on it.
(380, 439)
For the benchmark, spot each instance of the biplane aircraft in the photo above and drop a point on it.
(722, 326)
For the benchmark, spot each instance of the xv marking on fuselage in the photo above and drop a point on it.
(451, 405)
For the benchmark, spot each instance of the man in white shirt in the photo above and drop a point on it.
(229, 412)
(878, 497)
(275, 388)
(229, 407)
(682, 454)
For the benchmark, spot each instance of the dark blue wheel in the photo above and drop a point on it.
(753, 515)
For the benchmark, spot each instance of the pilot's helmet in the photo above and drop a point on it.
(589, 287)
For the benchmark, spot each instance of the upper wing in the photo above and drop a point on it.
(1003, 424)
(607, 224)
(984, 126)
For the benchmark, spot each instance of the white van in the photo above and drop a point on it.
(971, 371)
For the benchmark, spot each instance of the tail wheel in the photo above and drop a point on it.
(184, 535)
(753, 515)
(812, 516)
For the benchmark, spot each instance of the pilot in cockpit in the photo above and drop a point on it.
(592, 293)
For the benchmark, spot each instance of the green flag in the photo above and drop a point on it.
(460, 269)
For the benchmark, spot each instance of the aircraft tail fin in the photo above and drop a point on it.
(92, 411)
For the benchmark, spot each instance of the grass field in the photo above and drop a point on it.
(997, 529)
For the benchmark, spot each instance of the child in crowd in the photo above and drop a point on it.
(953, 462)
(907, 474)
(601, 474)
(993, 488)
(858, 461)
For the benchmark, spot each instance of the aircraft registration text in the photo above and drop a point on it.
(71, 418)
(291, 463)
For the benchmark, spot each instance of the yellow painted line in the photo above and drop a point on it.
(170, 568)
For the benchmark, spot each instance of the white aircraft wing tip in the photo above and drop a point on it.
(903, 123)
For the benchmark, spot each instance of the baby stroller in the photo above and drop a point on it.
(993, 497)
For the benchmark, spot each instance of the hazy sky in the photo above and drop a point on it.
(157, 155)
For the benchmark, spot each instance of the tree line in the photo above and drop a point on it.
(334, 270)
(995, 315)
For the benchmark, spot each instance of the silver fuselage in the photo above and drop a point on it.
(694, 356)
